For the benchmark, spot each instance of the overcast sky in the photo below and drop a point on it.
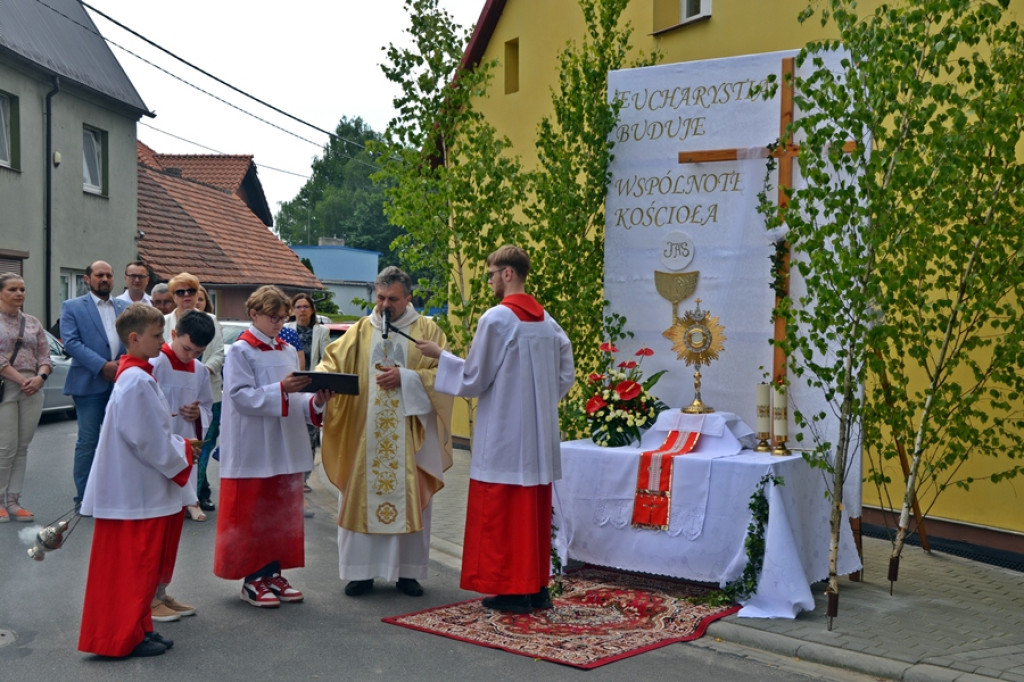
(318, 60)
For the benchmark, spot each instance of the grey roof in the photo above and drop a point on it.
(59, 38)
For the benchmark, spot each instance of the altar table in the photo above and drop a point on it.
(593, 505)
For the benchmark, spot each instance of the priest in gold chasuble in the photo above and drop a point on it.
(387, 448)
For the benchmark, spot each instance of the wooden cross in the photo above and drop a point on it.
(786, 153)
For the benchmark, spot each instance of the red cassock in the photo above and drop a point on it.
(507, 546)
(120, 588)
(259, 521)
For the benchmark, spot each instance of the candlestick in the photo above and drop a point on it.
(780, 420)
(764, 419)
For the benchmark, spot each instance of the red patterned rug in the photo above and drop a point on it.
(602, 616)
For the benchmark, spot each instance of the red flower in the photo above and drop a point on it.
(595, 403)
(628, 365)
(595, 377)
(628, 390)
(645, 352)
(607, 347)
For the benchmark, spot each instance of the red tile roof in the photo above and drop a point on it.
(482, 33)
(234, 173)
(146, 155)
(209, 232)
(224, 172)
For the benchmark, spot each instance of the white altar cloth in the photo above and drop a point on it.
(593, 505)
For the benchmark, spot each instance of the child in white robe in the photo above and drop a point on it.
(186, 384)
(264, 453)
(132, 530)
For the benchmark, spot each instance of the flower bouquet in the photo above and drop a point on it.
(618, 402)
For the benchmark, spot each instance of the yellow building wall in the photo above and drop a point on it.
(736, 27)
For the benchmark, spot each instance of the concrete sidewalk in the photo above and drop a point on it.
(948, 618)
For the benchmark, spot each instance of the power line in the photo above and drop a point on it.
(178, 78)
(262, 166)
(332, 136)
(219, 80)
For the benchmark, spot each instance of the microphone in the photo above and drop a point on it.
(386, 327)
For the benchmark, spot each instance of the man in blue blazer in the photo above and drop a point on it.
(90, 338)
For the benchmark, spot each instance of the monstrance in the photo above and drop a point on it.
(697, 338)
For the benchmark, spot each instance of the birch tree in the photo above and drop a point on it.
(912, 250)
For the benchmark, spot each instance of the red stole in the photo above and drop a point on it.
(126, 362)
(526, 307)
(176, 364)
(251, 339)
(653, 499)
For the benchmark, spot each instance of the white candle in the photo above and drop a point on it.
(780, 413)
(764, 409)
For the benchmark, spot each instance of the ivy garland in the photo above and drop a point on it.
(735, 590)
(557, 586)
(746, 584)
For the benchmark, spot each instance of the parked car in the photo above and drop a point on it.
(337, 329)
(54, 399)
(231, 330)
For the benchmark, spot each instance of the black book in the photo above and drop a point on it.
(332, 381)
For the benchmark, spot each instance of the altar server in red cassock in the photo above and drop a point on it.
(134, 493)
(264, 453)
(520, 366)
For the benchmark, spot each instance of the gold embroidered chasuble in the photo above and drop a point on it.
(369, 448)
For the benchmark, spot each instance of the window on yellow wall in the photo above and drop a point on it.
(669, 14)
(512, 66)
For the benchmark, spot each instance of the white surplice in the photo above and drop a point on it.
(520, 371)
(182, 387)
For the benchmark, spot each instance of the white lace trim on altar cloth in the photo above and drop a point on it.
(689, 505)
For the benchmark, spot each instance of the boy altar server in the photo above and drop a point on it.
(520, 365)
(134, 493)
(185, 383)
(264, 453)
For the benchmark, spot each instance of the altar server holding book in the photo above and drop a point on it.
(264, 453)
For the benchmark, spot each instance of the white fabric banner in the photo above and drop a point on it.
(697, 225)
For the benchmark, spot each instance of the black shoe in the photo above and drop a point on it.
(160, 639)
(541, 600)
(207, 505)
(148, 647)
(509, 603)
(409, 586)
(357, 588)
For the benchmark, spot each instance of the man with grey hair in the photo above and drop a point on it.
(161, 298)
(387, 448)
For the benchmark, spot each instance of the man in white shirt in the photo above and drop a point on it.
(90, 338)
(136, 277)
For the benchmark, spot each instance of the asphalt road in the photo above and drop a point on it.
(329, 636)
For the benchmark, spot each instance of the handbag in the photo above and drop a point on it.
(17, 349)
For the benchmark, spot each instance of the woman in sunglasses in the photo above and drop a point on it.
(185, 290)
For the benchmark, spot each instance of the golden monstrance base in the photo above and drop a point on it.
(698, 406)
